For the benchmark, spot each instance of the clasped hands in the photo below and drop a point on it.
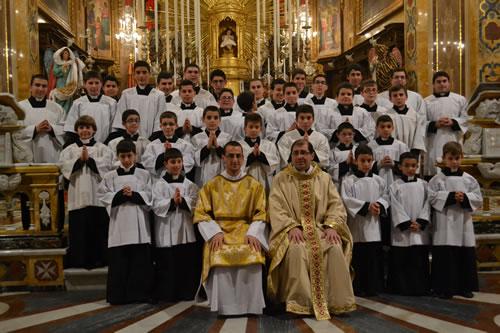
(296, 235)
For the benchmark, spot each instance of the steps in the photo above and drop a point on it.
(83, 279)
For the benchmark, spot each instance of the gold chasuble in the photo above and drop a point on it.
(234, 205)
(311, 277)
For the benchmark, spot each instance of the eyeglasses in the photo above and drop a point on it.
(130, 121)
(320, 82)
(300, 152)
(346, 134)
(226, 98)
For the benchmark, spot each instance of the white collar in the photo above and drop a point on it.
(126, 169)
(85, 141)
(307, 172)
(233, 178)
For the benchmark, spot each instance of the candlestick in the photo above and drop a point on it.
(167, 36)
(268, 73)
(157, 35)
(290, 25)
(176, 29)
(258, 37)
(183, 47)
(208, 69)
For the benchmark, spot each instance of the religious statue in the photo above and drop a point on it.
(228, 40)
(382, 62)
(65, 77)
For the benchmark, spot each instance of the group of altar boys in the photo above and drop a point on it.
(142, 161)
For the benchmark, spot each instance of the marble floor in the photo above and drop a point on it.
(87, 311)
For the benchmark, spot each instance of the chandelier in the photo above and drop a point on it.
(128, 25)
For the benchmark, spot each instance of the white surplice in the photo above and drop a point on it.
(326, 120)
(140, 147)
(410, 202)
(203, 98)
(415, 101)
(150, 107)
(46, 147)
(261, 171)
(318, 141)
(212, 165)
(84, 182)
(382, 148)
(174, 226)
(156, 149)
(453, 107)
(452, 225)
(408, 128)
(357, 194)
(128, 222)
(102, 109)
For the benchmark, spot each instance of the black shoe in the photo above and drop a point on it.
(445, 296)
(467, 294)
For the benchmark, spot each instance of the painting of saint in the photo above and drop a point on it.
(99, 22)
(328, 28)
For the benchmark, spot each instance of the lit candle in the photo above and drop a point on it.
(157, 35)
(258, 36)
(167, 36)
(183, 48)
(176, 29)
(290, 26)
(253, 69)
(208, 69)
(268, 73)
(307, 12)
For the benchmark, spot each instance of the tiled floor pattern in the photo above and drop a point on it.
(88, 312)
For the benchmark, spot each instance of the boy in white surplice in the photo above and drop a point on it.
(126, 194)
(83, 164)
(454, 195)
(177, 253)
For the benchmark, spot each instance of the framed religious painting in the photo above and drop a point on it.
(99, 25)
(372, 12)
(327, 23)
(58, 10)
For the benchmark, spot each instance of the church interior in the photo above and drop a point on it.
(247, 39)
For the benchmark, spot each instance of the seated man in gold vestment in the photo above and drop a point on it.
(310, 244)
(232, 218)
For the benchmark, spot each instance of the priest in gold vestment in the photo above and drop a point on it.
(231, 214)
(310, 244)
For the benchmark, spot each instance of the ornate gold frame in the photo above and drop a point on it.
(362, 27)
(54, 16)
(314, 28)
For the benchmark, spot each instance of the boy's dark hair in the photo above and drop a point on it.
(453, 148)
(245, 100)
(232, 144)
(256, 79)
(345, 125)
(397, 87)
(172, 153)
(363, 150)
(227, 90)
(276, 82)
(384, 119)
(110, 78)
(408, 156)
(217, 72)
(128, 113)
(210, 108)
(125, 146)
(290, 84)
(92, 75)
(164, 76)
(38, 76)
(368, 83)
(253, 118)
(191, 65)
(85, 121)
(344, 85)
(353, 67)
(440, 74)
(320, 75)
(142, 63)
(304, 108)
(168, 114)
(298, 71)
(186, 83)
(302, 142)
(399, 69)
